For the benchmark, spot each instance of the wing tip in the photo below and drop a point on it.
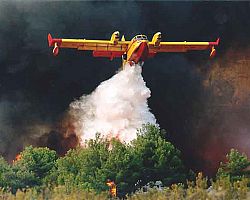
(218, 41)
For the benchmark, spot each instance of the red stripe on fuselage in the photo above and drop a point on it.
(108, 54)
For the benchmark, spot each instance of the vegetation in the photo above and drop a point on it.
(236, 166)
(82, 173)
(148, 158)
(157, 158)
(221, 189)
(198, 190)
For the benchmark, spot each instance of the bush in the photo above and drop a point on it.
(235, 166)
(31, 170)
(158, 159)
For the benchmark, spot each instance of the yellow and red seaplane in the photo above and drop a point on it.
(135, 51)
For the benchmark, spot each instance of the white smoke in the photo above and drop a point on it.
(117, 108)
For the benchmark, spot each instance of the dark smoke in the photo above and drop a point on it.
(62, 138)
(224, 118)
(187, 89)
(59, 142)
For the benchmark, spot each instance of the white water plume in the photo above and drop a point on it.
(117, 107)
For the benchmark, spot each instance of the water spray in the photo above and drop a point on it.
(117, 107)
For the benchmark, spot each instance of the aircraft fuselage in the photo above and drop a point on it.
(137, 51)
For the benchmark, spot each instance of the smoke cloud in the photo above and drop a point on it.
(224, 118)
(117, 108)
(37, 88)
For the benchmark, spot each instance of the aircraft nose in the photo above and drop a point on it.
(144, 45)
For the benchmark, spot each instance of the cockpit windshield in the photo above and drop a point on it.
(140, 37)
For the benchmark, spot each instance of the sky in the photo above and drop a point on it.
(192, 96)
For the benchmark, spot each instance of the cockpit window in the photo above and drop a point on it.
(140, 37)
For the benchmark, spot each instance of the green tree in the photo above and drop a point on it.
(4, 170)
(122, 166)
(148, 158)
(11, 177)
(90, 167)
(20, 178)
(36, 163)
(82, 166)
(159, 159)
(235, 166)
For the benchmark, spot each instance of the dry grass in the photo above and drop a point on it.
(221, 189)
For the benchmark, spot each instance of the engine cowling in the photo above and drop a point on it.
(115, 37)
(156, 40)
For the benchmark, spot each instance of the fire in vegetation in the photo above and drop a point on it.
(17, 158)
(112, 188)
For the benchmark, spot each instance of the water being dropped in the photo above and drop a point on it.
(116, 108)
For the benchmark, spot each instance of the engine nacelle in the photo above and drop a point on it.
(156, 39)
(115, 37)
(55, 49)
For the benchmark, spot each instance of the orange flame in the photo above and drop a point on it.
(112, 188)
(110, 183)
(18, 157)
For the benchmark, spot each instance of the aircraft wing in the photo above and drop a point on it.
(183, 46)
(100, 48)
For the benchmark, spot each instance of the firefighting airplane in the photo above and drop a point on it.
(135, 51)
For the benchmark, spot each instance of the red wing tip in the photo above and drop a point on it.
(218, 41)
(50, 40)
